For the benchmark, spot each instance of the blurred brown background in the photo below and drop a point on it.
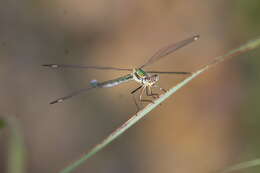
(209, 124)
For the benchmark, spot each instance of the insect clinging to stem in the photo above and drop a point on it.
(146, 79)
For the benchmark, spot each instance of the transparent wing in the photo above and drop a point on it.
(54, 66)
(169, 72)
(170, 49)
(75, 93)
(96, 84)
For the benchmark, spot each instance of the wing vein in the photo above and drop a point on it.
(169, 49)
(55, 66)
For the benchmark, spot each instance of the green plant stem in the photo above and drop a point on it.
(2, 124)
(135, 118)
(16, 147)
(243, 165)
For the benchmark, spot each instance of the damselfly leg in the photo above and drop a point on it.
(144, 89)
(154, 95)
(148, 92)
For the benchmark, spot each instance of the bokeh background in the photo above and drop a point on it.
(210, 124)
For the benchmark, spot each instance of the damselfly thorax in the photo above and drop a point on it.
(144, 78)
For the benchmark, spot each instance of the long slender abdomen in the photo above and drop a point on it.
(114, 82)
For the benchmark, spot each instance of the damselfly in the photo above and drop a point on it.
(146, 79)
